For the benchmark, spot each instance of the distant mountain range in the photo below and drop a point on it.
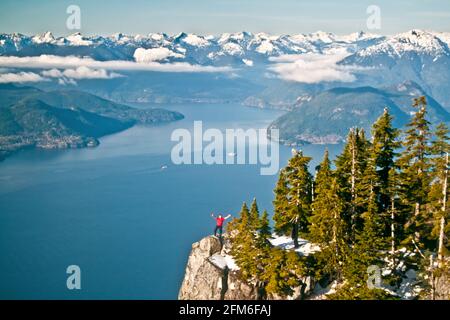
(328, 82)
(373, 60)
(30, 117)
(327, 117)
(225, 49)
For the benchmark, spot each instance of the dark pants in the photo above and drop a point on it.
(218, 228)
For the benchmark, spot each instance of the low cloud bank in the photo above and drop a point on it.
(313, 68)
(59, 62)
(80, 73)
(20, 77)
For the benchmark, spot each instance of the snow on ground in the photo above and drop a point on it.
(231, 263)
(222, 261)
(284, 242)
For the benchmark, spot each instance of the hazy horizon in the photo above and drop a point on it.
(217, 17)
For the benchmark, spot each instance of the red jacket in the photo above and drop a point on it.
(220, 221)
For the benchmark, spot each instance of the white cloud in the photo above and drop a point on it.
(155, 54)
(70, 62)
(52, 73)
(65, 81)
(80, 73)
(20, 77)
(312, 68)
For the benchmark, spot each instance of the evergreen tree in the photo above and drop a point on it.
(439, 188)
(384, 144)
(327, 226)
(323, 176)
(414, 176)
(243, 243)
(367, 252)
(281, 203)
(284, 271)
(350, 166)
(294, 217)
(254, 215)
(264, 227)
(250, 246)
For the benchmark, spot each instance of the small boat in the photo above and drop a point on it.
(163, 167)
(231, 154)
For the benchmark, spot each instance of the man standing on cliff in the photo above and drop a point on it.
(219, 223)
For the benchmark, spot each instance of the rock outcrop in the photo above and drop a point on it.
(208, 276)
(211, 274)
(442, 284)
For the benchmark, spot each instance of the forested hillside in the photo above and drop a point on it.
(380, 208)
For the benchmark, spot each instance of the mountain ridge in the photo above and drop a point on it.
(327, 117)
(30, 117)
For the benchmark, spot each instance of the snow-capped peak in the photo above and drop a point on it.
(195, 41)
(77, 39)
(321, 36)
(46, 37)
(357, 36)
(414, 40)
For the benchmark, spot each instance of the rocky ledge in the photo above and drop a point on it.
(211, 274)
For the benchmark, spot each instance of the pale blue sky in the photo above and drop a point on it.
(217, 16)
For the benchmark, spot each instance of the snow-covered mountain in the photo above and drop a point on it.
(416, 42)
(265, 71)
(194, 48)
(208, 49)
(416, 55)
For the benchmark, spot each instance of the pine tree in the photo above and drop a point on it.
(384, 145)
(350, 166)
(367, 251)
(243, 239)
(414, 174)
(281, 203)
(293, 217)
(439, 188)
(284, 271)
(323, 175)
(254, 215)
(250, 246)
(327, 226)
(264, 230)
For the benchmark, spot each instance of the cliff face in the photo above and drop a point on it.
(209, 277)
(211, 274)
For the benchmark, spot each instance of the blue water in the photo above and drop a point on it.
(114, 212)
